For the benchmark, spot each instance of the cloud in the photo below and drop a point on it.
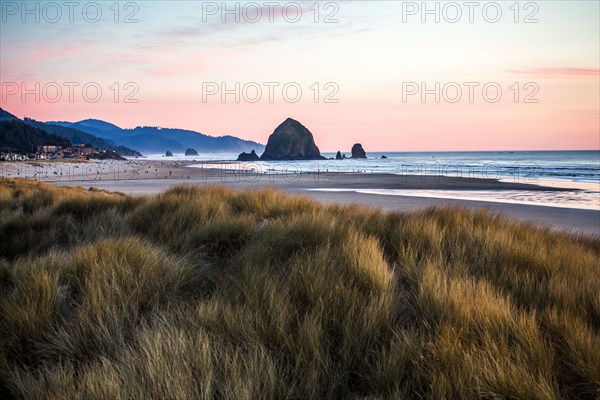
(245, 28)
(561, 72)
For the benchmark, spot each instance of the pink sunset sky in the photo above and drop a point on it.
(361, 67)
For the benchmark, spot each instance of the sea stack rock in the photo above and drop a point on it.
(168, 154)
(291, 141)
(252, 156)
(358, 151)
(383, 157)
(190, 152)
(338, 156)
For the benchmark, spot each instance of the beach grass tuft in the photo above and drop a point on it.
(214, 293)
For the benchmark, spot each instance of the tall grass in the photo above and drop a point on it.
(213, 293)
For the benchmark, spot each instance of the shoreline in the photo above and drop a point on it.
(140, 177)
(134, 170)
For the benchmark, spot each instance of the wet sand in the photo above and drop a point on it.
(140, 177)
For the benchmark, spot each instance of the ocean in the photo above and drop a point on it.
(521, 166)
(577, 170)
(517, 166)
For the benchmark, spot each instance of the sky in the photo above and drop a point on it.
(392, 75)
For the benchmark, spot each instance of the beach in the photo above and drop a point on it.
(390, 192)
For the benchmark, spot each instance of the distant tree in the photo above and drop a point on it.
(18, 137)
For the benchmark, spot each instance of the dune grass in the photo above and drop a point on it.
(213, 293)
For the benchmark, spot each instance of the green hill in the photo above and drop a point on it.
(72, 135)
(18, 137)
(77, 136)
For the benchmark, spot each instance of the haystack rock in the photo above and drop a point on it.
(252, 156)
(358, 151)
(291, 141)
(168, 154)
(191, 152)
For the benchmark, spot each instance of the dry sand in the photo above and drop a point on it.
(141, 177)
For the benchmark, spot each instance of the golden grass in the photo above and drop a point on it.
(213, 293)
